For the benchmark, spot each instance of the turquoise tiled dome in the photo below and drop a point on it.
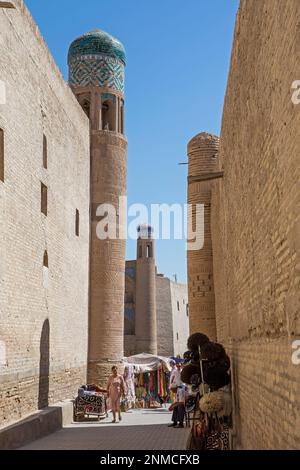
(97, 43)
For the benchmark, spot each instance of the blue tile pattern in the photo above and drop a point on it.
(97, 59)
(97, 71)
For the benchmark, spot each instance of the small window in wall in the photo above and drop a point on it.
(46, 261)
(140, 252)
(45, 152)
(183, 302)
(122, 117)
(86, 106)
(1, 155)
(178, 306)
(187, 310)
(44, 199)
(77, 221)
(45, 270)
(149, 251)
(177, 336)
(108, 111)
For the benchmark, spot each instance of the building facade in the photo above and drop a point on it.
(44, 218)
(172, 317)
(63, 154)
(255, 226)
(156, 315)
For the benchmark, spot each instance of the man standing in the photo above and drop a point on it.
(178, 407)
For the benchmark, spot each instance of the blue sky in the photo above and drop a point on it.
(178, 55)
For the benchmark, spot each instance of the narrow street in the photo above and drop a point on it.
(139, 430)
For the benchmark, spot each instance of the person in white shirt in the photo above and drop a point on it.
(178, 407)
(175, 379)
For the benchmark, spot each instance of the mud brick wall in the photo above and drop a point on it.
(256, 225)
(43, 311)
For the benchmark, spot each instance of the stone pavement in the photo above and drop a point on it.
(139, 430)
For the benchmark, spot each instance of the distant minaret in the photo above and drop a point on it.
(145, 322)
(96, 75)
(202, 153)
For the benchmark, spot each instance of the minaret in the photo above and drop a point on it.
(96, 75)
(202, 155)
(145, 320)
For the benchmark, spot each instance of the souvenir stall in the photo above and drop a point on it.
(150, 379)
(207, 373)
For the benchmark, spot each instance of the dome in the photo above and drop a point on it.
(202, 139)
(97, 43)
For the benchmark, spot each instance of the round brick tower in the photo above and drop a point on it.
(145, 320)
(96, 74)
(202, 157)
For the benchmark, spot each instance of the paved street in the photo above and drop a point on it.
(139, 430)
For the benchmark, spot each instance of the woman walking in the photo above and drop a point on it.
(115, 390)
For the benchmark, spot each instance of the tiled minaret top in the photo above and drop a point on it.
(97, 59)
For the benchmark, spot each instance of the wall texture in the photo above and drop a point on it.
(180, 312)
(165, 328)
(256, 225)
(43, 323)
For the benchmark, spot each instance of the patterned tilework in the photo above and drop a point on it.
(96, 70)
(98, 43)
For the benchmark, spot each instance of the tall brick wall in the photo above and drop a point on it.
(165, 329)
(43, 330)
(256, 225)
(180, 312)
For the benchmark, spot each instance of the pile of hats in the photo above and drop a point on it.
(215, 363)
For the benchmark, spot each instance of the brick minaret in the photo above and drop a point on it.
(202, 154)
(96, 75)
(145, 322)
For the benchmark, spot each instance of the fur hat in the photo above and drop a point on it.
(216, 377)
(213, 351)
(188, 371)
(196, 340)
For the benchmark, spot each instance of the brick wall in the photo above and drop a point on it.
(256, 225)
(43, 324)
(181, 324)
(165, 330)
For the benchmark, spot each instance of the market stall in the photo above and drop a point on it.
(150, 379)
(207, 372)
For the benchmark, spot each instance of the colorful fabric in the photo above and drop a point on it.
(90, 405)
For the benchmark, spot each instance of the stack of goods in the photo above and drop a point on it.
(207, 371)
(90, 402)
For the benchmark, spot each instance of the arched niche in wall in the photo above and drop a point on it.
(85, 102)
(108, 112)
